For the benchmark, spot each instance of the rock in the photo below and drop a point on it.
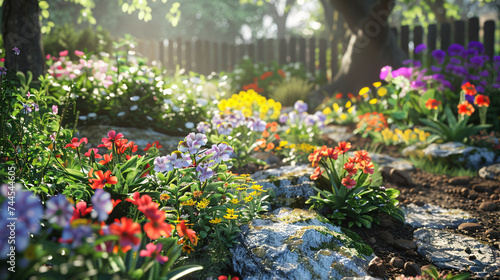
(372, 240)
(472, 257)
(400, 177)
(419, 203)
(298, 244)
(459, 181)
(337, 133)
(480, 188)
(490, 233)
(288, 186)
(446, 250)
(490, 172)
(386, 222)
(403, 244)
(412, 269)
(467, 250)
(392, 162)
(470, 157)
(397, 262)
(432, 216)
(488, 206)
(377, 268)
(470, 226)
(386, 236)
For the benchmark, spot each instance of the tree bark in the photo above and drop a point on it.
(371, 46)
(21, 28)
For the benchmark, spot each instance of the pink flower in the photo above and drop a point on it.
(75, 143)
(47, 57)
(89, 152)
(153, 251)
(79, 53)
(63, 53)
(2, 59)
(55, 109)
(112, 137)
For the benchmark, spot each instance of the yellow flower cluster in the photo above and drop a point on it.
(249, 102)
(230, 214)
(408, 136)
(203, 203)
(302, 147)
(341, 114)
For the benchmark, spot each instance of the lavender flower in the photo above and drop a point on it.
(59, 210)
(256, 124)
(385, 73)
(203, 127)
(420, 48)
(3, 71)
(163, 164)
(180, 160)
(455, 49)
(76, 236)
(283, 118)
(221, 152)
(205, 172)
(101, 205)
(225, 128)
(300, 106)
(439, 56)
(36, 107)
(16, 50)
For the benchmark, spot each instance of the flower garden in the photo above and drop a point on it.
(118, 210)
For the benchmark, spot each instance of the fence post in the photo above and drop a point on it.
(312, 55)
(260, 51)
(292, 50)
(188, 56)
(223, 57)
(322, 56)
(251, 51)
(431, 37)
(197, 57)
(473, 29)
(179, 53)
(162, 53)
(334, 60)
(282, 51)
(302, 51)
(232, 57)
(405, 38)
(459, 32)
(215, 52)
(269, 51)
(206, 57)
(489, 38)
(445, 33)
(418, 34)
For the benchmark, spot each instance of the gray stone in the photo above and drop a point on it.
(403, 244)
(141, 137)
(337, 133)
(432, 216)
(288, 186)
(488, 206)
(396, 163)
(297, 244)
(412, 269)
(446, 250)
(490, 172)
(459, 181)
(470, 227)
(377, 268)
(397, 262)
(470, 157)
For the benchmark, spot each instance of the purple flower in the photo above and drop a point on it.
(163, 164)
(476, 45)
(414, 63)
(476, 61)
(455, 49)
(221, 152)
(403, 71)
(439, 56)
(55, 109)
(16, 50)
(435, 68)
(27, 108)
(256, 124)
(438, 77)
(76, 236)
(455, 61)
(470, 52)
(293, 118)
(300, 106)
(3, 71)
(225, 128)
(480, 89)
(36, 107)
(310, 120)
(417, 84)
(321, 117)
(59, 210)
(180, 160)
(470, 98)
(203, 127)
(484, 73)
(192, 142)
(420, 48)
(283, 118)
(385, 72)
(101, 205)
(205, 172)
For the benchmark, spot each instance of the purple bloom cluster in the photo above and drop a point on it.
(221, 152)
(59, 210)
(173, 161)
(192, 143)
(101, 205)
(301, 117)
(226, 123)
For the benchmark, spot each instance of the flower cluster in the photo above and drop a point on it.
(406, 137)
(300, 117)
(250, 103)
(371, 122)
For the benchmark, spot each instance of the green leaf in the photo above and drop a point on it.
(43, 5)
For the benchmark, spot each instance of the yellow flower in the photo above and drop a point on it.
(230, 214)
(335, 107)
(348, 104)
(350, 110)
(377, 84)
(364, 91)
(382, 91)
(373, 101)
(215, 220)
(189, 202)
(203, 203)
(78, 222)
(398, 131)
(288, 130)
(248, 198)
(395, 138)
(343, 117)
(254, 193)
(164, 196)
(188, 249)
(197, 194)
(327, 111)
(234, 201)
(421, 136)
(257, 188)
(283, 143)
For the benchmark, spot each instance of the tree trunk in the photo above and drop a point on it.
(371, 46)
(21, 28)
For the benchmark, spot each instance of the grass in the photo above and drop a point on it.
(440, 168)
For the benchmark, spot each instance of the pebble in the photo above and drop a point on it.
(488, 206)
(397, 262)
(377, 268)
(386, 222)
(468, 250)
(403, 244)
(412, 269)
(480, 188)
(386, 236)
(470, 227)
(458, 181)
(490, 233)
(472, 257)
(400, 177)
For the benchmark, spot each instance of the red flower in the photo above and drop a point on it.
(127, 231)
(265, 75)
(350, 95)
(317, 173)
(432, 104)
(465, 108)
(350, 167)
(222, 277)
(155, 144)
(153, 251)
(329, 152)
(157, 226)
(75, 143)
(348, 182)
(103, 179)
(315, 158)
(469, 89)
(482, 100)
(107, 158)
(96, 155)
(139, 201)
(81, 210)
(339, 95)
(282, 73)
(367, 166)
(182, 230)
(112, 138)
(343, 147)
(360, 156)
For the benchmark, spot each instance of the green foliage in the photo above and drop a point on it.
(289, 91)
(434, 274)
(441, 167)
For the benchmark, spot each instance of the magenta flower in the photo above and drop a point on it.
(79, 53)
(55, 109)
(63, 53)
(153, 251)
(28, 94)
(102, 205)
(59, 210)
(16, 50)
(385, 72)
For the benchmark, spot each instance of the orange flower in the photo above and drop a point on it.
(265, 134)
(482, 100)
(317, 173)
(157, 226)
(350, 167)
(282, 73)
(103, 179)
(465, 108)
(315, 158)
(360, 156)
(469, 89)
(155, 143)
(432, 104)
(126, 229)
(339, 95)
(350, 95)
(274, 126)
(265, 75)
(182, 230)
(270, 146)
(329, 152)
(107, 158)
(348, 182)
(367, 166)
(343, 147)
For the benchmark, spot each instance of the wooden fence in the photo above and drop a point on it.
(320, 56)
